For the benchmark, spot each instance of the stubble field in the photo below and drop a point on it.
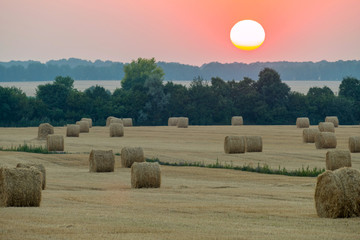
(192, 203)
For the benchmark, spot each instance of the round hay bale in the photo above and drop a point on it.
(183, 122)
(234, 144)
(129, 155)
(172, 121)
(20, 187)
(108, 120)
(326, 127)
(336, 159)
(55, 143)
(44, 130)
(89, 120)
(325, 140)
(337, 193)
(333, 119)
(116, 130)
(145, 175)
(116, 120)
(354, 144)
(128, 122)
(101, 161)
(237, 121)
(253, 144)
(72, 130)
(302, 122)
(309, 135)
(84, 126)
(39, 167)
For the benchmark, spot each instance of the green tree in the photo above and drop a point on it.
(139, 71)
(13, 105)
(350, 88)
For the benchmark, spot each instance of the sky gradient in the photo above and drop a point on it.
(184, 31)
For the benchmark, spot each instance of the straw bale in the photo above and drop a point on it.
(302, 122)
(326, 127)
(183, 122)
(309, 135)
(354, 144)
(39, 167)
(89, 120)
(253, 144)
(108, 120)
(72, 130)
(172, 121)
(336, 159)
(116, 130)
(333, 119)
(145, 175)
(128, 122)
(44, 130)
(129, 155)
(337, 193)
(325, 140)
(20, 187)
(84, 126)
(55, 143)
(234, 144)
(237, 121)
(101, 161)
(116, 120)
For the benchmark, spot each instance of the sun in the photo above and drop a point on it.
(247, 35)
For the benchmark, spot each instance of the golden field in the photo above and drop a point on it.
(192, 203)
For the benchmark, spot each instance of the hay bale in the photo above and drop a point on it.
(253, 144)
(84, 126)
(302, 122)
(354, 144)
(326, 127)
(337, 193)
(172, 121)
(129, 155)
(39, 167)
(145, 175)
(72, 130)
(116, 130)
(44, 130)
(108, 120)
(128, 122)
(89, 120)
(116, 120)
(309, 135)
(183, 122)
(237, 121)
(101, 161)
(325, 140)
(333, 119)
(337, 159)
(20, 187)
(234, 144)
(55, 143)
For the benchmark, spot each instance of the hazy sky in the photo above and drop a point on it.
(186, 31)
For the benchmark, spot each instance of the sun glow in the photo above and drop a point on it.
(247, 35)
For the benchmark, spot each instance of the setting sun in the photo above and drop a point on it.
(247, 35)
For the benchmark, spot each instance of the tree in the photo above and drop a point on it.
(137, 72)
(350, 88)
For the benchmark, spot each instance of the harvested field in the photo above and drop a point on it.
(194, 203)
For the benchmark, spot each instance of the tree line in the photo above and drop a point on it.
(107, 70)
(149, 100)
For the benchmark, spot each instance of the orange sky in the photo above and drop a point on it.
(185, 31)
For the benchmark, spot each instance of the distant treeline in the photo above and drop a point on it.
(107, 70)
(148, 100)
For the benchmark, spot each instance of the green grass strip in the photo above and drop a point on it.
(27, 148)
(303, 172)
